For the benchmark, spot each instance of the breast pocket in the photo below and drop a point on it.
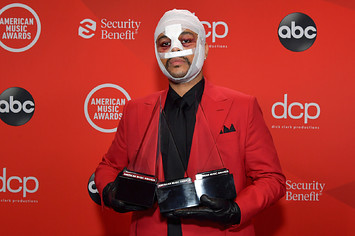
(228, 138)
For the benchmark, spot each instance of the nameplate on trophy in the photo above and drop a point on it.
(216, 183)
(177, 194)
(136, 188)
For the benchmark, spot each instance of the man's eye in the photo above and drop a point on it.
(186, 41)
(165, 44)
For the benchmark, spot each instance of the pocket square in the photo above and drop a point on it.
(226, 130)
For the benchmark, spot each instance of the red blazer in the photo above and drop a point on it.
(248, 153)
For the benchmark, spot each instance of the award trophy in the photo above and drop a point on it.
(217, 182)
(137, 182)
(178, 193)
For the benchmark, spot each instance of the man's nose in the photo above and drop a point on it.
(175, 49)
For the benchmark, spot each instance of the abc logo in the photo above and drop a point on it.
(16, 106)
(297, 32)
(92, 190)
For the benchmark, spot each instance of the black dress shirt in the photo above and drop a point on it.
(179, 116)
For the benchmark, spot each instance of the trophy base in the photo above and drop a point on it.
(136, 188)
(176, 194)
(216, 183)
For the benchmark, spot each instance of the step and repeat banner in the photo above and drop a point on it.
(69, 67)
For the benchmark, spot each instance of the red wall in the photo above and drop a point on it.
(45, 164)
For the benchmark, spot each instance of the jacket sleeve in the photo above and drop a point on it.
(262, 166)
(115, 159)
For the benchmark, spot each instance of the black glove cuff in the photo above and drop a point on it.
(236, 214)
(107, 195)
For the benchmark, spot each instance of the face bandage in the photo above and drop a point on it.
(173, 32)
(172, 25)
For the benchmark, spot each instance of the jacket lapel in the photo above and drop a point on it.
(215, 106)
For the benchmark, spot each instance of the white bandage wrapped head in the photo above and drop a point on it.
(172, 24)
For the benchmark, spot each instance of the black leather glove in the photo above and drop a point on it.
(220, 210)
(108, 196)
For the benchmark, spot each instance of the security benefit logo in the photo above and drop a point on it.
(295, 115)
(304, 191)
(17, 188)
(104, 105)
(20, 27)
(297, 32)
(16, 106)
(120, 29)
(87, 28)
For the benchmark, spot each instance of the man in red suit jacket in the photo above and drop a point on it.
(232, 119)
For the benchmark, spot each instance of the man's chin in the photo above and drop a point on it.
(177, 75)
(177, 72)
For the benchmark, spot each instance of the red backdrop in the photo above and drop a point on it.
(307, 99)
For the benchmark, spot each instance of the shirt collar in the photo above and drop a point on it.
(194, 94)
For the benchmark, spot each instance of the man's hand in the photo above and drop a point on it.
(221, 210)
(110, 200)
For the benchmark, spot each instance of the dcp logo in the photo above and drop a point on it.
(87, 28)
(303, 111)
(16, 106)
(297, 32)
(220, 25)
(92, 190)
(15, 184)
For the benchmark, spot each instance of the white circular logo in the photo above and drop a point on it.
(104, 105)
(18, 22)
